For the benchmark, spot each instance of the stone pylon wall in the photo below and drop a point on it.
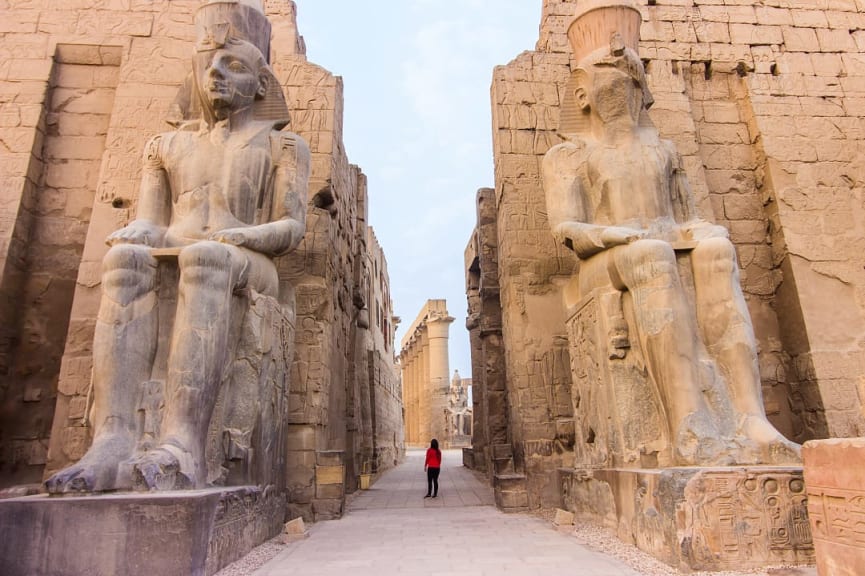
(484, 322)
(47, 238)
(765, 105)
(425, 373)
(74, 68)
(385, 384)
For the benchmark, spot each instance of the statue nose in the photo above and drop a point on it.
(216, 70)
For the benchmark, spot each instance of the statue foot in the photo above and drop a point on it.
(75, 478)
(162, 469)
(765, 444)
(699, 443)
(98, 470)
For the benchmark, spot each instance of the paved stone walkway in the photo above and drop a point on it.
(393, 529)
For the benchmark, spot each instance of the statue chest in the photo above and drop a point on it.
(629, 183)
(230, 176)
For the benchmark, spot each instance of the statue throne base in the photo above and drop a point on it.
(625, 478)
(246, 437)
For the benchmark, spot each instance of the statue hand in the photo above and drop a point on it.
(137, 232)
(233, 236)
(587, 240)
(618, 235)
(701, 230)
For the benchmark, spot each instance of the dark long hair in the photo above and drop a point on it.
(435, 446)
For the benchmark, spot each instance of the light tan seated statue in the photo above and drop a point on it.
(618, 197)
(227, 193)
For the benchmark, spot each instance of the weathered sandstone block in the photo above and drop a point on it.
(835, 480)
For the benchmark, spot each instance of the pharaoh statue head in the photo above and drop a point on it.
(232, 36)
(607, 72)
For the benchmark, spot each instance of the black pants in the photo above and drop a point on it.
(432, 481)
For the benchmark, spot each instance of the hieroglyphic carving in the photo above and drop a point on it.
(588, 387)
(745, 518)
(243, 518)
(838, 515)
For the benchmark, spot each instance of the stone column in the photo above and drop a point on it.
(439, 375)
(424, 407)
(407, 360)
(419, 388)
(415, 386)
(414, 354)
(410, 395)
(408, 387)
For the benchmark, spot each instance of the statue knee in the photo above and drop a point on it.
(206, 263)
(715, 256)
(650, 261)
(128, 270)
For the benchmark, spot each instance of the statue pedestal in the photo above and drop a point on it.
(699, 518)
(190, 533)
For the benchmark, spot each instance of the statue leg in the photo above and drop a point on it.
(209, 274)
(729, 336)
(668, 334)
(124, 346)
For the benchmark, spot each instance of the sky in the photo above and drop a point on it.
(417, 120)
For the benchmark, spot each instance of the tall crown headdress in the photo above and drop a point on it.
(595, 22)
(219, 20)
(610, 25)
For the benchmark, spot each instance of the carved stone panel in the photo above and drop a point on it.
(745, 518)
(700, 518)
(617, 411)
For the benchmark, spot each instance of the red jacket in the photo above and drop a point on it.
(433, 458)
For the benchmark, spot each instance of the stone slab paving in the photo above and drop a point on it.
(393, 529)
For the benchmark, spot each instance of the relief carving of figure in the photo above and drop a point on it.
(618, 197)
(224, 194)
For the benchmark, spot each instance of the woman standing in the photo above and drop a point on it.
(433, 465)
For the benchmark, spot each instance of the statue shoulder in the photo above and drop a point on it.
(156, 149)
(568, 148)
(567, 156)
(288, 147)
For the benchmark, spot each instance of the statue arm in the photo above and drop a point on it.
(291, 184)
(680, 190)
(154, 202)
(683, 202)
(286, 223)
(566, 208)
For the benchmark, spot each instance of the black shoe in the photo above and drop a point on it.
(428, 496)
(435, 495)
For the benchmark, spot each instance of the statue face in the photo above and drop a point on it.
(615, 95)
(230, 77)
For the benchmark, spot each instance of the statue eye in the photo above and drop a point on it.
(236, 66)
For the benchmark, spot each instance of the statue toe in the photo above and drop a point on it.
(73, 479)
(160, 470)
